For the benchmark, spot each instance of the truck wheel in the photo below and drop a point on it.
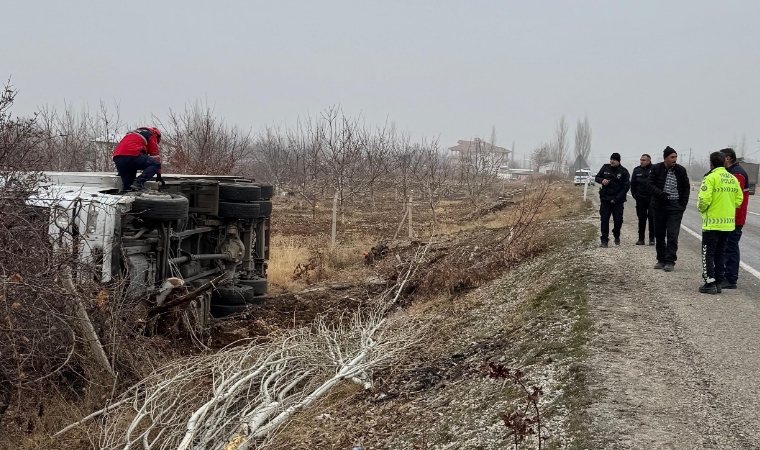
(265, 208)
(159, 206)
(267, 190)
(239, 192)
(239, 210)
(259, 285)
(218, 311)
(233, 296)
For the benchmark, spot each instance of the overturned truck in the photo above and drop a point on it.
(195, 228)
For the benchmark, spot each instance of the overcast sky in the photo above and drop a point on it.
(647, 73)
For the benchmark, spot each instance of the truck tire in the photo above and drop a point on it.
(159, 206)
(218, 311)
(233, 296)
(267, 190)
(239, 210)
(259, 285)
(239, 192)
(265, 208)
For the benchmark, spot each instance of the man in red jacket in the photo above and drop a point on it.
(731, 254)
(138, 150)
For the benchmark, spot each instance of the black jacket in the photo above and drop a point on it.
(619, 183)
(657, 177)
(639, 180)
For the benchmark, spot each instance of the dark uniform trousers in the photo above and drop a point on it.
(645, 213)
(607, 209)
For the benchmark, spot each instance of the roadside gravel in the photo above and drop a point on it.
(670, 368)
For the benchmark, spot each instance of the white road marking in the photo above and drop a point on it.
(750, 212)
(742, 264)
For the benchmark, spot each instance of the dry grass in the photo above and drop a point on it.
(289, 252)
(292, 253)
(306, 248)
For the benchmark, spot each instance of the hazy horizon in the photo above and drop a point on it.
(647, 74)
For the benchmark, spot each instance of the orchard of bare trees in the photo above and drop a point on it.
(67, 339)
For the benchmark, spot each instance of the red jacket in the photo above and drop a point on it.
(136, 142)
(741, 175)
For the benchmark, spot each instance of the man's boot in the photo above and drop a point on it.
(138, 186)
(708, 288)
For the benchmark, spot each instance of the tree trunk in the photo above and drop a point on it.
(85, 324)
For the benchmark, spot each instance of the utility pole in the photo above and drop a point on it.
(689, 170)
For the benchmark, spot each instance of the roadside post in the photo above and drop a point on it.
(334, 219)
(585, 187)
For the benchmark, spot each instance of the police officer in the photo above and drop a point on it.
(615, 181)
(643, 198)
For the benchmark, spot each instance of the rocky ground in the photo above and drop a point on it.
(669, 367)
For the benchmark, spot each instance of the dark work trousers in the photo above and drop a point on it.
(713, 247)
(127, 166)
(667, 225)
(644, 212)
(732, 255)
(607, 209)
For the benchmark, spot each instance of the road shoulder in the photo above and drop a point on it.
(668, 367)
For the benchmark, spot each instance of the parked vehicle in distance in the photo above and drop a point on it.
(752, 172)
(195, 227)
(581, 176)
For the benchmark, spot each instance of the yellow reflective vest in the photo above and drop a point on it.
(719, 196)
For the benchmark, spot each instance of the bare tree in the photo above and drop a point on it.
(344, 141)
(79, 141)
(377, 157)
(272, 156)
(43, 323)
(479, 167)
(307, 156)
(541, 156)
(106, 130)
(403, 155)
(432, 170)
(67, 145)
(582, 139)
(196, 142)
(559, 147)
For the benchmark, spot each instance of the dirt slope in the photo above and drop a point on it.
(628, 357)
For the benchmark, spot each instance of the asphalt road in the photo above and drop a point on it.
(691, 235)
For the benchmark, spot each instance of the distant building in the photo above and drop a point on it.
(515, 174)
(466, 150)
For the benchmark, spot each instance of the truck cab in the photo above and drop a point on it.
(195, 228)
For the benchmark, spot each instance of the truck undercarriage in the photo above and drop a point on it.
(194, 228)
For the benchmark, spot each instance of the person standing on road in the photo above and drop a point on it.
(138, 150)
(719, 196)
(669, 186)
(732, 255)
(615, 182)
(640, 193)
